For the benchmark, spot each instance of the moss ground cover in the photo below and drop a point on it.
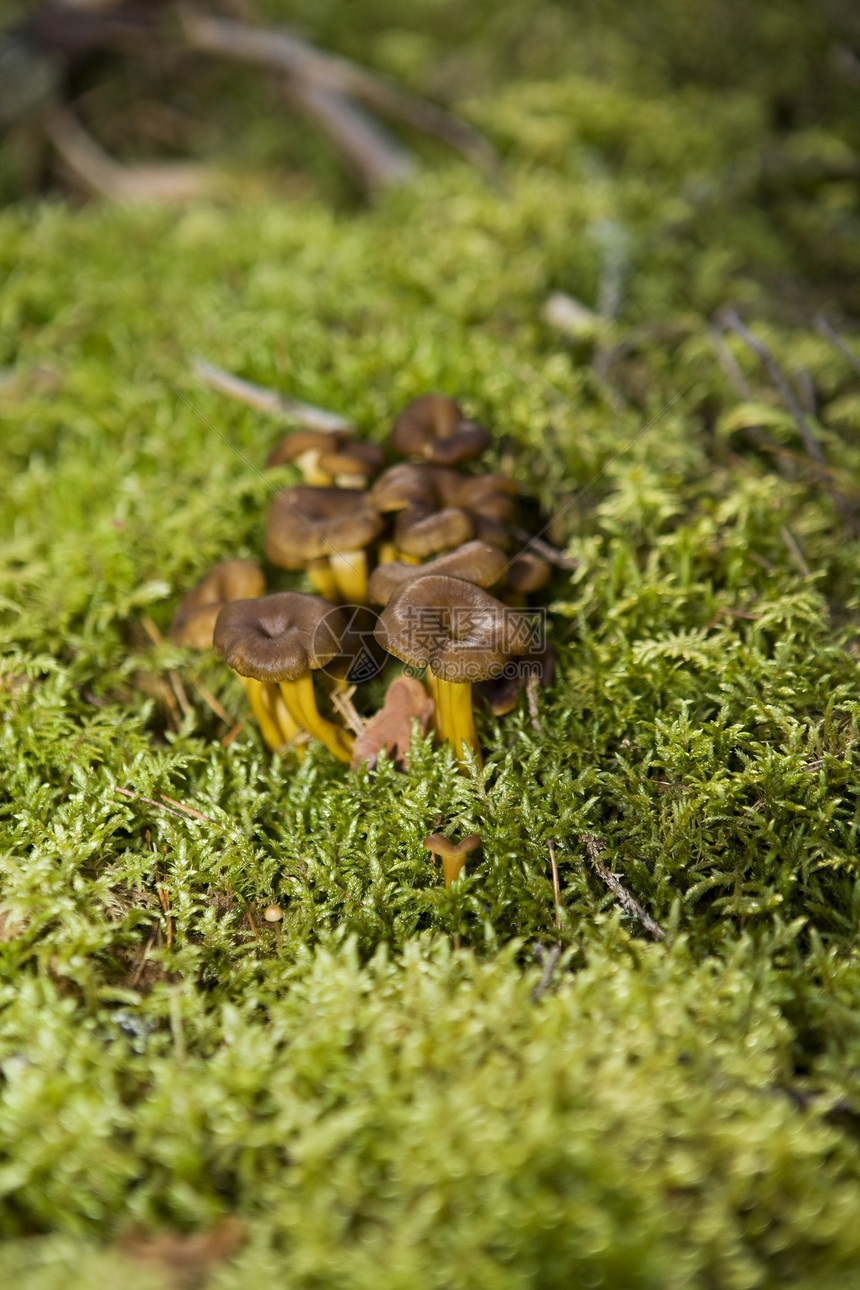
(374, 1108)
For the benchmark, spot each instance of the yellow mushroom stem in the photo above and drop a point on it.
(408, 559)
(456, 720)
(302, 707)
(309, 464)
(349, 570)
(387, 553)
(322, 579)
(260, 699)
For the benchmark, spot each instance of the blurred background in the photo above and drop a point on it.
(90, 85)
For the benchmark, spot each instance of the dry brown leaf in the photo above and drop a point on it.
(186, 1257)
(406, 701)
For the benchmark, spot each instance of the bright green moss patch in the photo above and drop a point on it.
(376, 1110)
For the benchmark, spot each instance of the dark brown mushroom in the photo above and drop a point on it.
(326, 531)
(476, 562)
(461, 634)
(452, 854)
(281, 639)
(434, 429)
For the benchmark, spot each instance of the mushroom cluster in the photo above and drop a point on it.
(416, 560)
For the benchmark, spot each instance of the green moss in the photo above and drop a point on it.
(376, 1109)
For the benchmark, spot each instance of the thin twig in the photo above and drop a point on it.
(164, 897)
(556, 889)
(141, 962)
(189, 810)
(266, 400)
(791, 542)
(543, 549)
(149, 801)
(212, 703)
(377, 158)
(93, 168)
(731, 320)
(730, 365)
(549, 958)
(287, 53)
(531, 695)
(179, 690)
(824, 327)
(593, 847)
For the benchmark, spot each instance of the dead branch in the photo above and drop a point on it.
(287, 53)
(831, 334)
(95, 170)
(731, 320)
(592, 847)
(378, 159)
(556, 889)
(265, 400)
(543, 549)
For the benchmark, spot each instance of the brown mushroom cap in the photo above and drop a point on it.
(312, 523)
(404, 485)
(460, 631)
(527, 572)
(421, 532)
(434, 428)
(194, 620)
(490, 496)
(297, 443)
(442, 846)
(355, 458)
(279, 637)
(477, 562)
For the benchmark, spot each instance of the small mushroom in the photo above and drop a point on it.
(452, 854)
(434, 429)
(194, 623)
(326, 531)
(353, 464)
(281, 639)
(458, 631)
(525, 574)
(329, 457)
(194, 620)
(476, 562)
(304, 448)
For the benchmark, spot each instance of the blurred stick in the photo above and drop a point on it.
(265, 400)
(97, 172)
(593, 847)
(831, 334)
(282, 50)
(731, 320)
(372, 152)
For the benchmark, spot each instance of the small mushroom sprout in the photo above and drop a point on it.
(452, 854)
